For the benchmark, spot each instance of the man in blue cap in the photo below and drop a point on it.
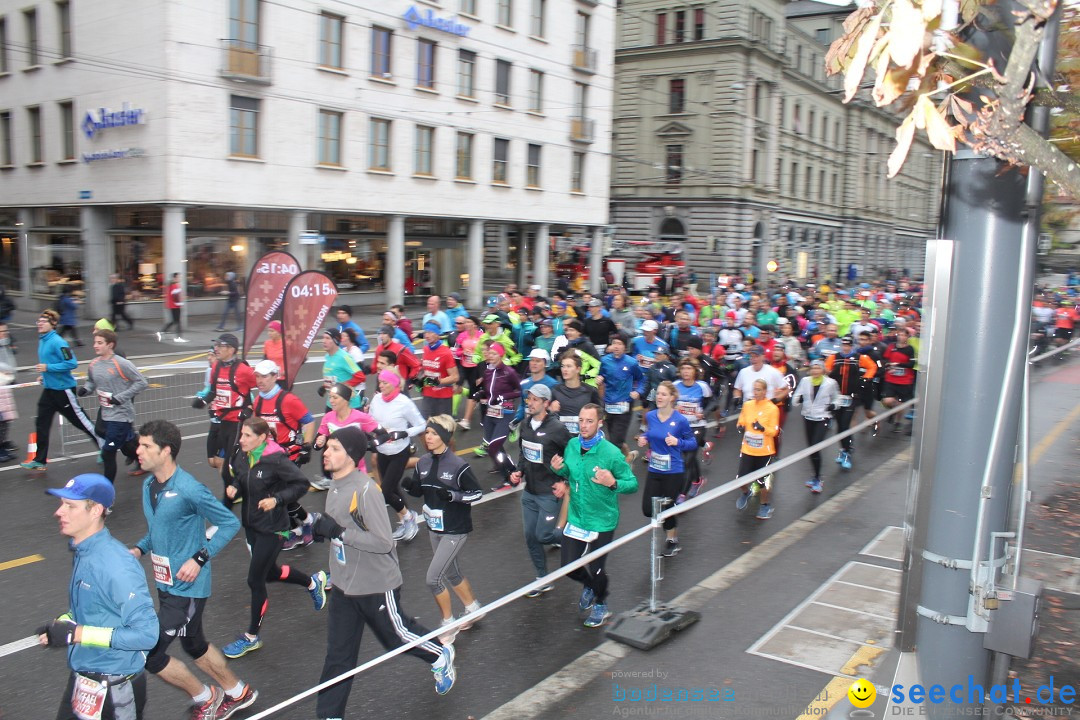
(110, 625)
(438, 373)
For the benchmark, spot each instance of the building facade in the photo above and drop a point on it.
(730, 140)
(390, 143)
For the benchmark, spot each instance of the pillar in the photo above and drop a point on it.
(475, 296)
(25, 221)
(596, 260)
(302, 253)
(541, 259)
(394, 272)
(97, 263)
(522, 277)
(502, 250)
(174, 242)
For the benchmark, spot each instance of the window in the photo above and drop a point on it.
(63, 22)
(468, 7)
(581, 29)
(502, 82)
(381, 40)
(577, 172)
(7, 150)
(796, 120)
(500, 153)
(822, 35)
(532, 166)
(30, 18)
(379, 144)
(425, 64)
(3, 47)
(794, 177)
(677, 96)
(810, 124)
(536, 27)
(463, 154)
(821, 185)
(329, 137)
(330, 36)
(699, 24)
(661, 28)
(680, 26)
(760, 28)
(243, 126)
(466, 73)
(761, 97)
(244, 22)
(536, 91)
(37, 151)
(674, 164)
(67, 129)
(581, 100)
(504, 13)
(425, 146)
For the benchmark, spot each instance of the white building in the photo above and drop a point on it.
(192, 136)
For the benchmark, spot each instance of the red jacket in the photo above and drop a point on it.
(174, 296)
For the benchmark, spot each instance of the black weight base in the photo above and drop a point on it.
(645, 629)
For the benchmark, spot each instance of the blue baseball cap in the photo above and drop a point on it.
(88, 486)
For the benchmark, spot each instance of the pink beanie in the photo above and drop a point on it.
(274, 325)
(499, 349)
(389, 376)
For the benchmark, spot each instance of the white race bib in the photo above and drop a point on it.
(754, 440)
(843, 401)
(162, 569)
(619, 408)
(494, 411)
(688, 410)
(571, 423)
(659, 463)
(897, 372)
(88, 698)
(532, 451)
(646, 362)
(222, 398)
(433, 518)
(573, 531)
(338, 549)
(329, 380)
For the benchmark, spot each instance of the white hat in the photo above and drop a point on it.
(540, 353)
(266, 367)
(740, 286)
(782, 321)
(649, 326)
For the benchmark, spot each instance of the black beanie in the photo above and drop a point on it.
(354, 440)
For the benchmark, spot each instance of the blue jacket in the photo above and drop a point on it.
(621, 377)
(177, 529)
(455, 312)
(361, 339)
(59, 361)
(108, 589)
(69, 310)
(663, 458)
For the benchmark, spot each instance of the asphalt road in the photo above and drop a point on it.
(512, 649)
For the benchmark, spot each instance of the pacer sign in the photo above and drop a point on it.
(265, 290)
(308, 300)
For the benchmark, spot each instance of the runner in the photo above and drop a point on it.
(499, 392)
(818, 394)
(493, 330)
(55, 363)
(367, 578)
(575, 340)
(400, 419)
(853, 372)
(229, 396)
(644, 346)
(116, 381)
(569, 396)
(338, 366)
(623, 385)
(758, 421)
(407, 363)
(899, 363)
(262, 474)
(467, 334)
(670, 438)
(448, 486)
(592, 468)
(344, 318)
(694, 400)
(110, 624)
(178, 508)
(341, 415)
(439, 371)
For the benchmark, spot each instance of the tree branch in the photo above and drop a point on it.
(1044, 156)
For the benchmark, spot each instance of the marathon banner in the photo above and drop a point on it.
(309, 297)
(265, 290)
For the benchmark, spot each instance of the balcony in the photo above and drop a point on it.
(583, 59)
(582, 130)
(245, 62)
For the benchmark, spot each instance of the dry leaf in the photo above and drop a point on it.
(904, 135)
(841, 50)
(890, 84)
(937, 127)
(969, 9)
(931, 9)
(857, 67)
(907, 29)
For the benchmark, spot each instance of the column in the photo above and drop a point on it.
(25, 221)
(394, 272)
(474, 299)
(522, 257)
(96, 261)
(596, 260)
(297, 225)
(541, 260)
(502, 250)
(174, 242)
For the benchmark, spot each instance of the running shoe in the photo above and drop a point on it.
(504, 485)
(598, 617)
(231, 705)
(846, 462)
(411, 528)
(292, 542)
(219, 329)
(815, 486)
(671, 547)
(318, 593)
(631, 457)
(479, 451)
(208, 710)
(764, 512)
(680, 499)
(307, 533)
(810, 482)
(587, 599)
(136, 472)
(874, 430)
(241, 646)
(740, 502)
(444, 670)
(464, 425)
(399, 532)
(537, 592)
(158, 336)
(473, 607)
(447, 638)
(319, 484)
(695, 488)
(840, 457)
(706, 451)
(32, 465)
(180, 340)
(514, 435)
(100, 459)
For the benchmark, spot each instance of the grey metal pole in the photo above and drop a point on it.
(654, 547)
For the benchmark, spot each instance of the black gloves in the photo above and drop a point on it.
(199, 402)
(738, 403)
(514, 424)
(61, 632)
(82, 391)
(758, 426)
(832, 407)
(244, 414)
(321, 391)
(444, 493)
(304, 456)
(324, 526)
(398, 434)
(431, 381)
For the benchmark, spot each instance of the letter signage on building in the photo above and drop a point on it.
(105, 119)
(415, 18)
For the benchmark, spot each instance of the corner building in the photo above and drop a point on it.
(392, 144)
(730, 140)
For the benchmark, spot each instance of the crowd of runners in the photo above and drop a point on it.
(579, 400)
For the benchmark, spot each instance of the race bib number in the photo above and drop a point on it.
(88, 698)
(433, 374)
(433, 518)
(897, 372)
(222, 398)
(494, 411)
(570, 422)
(162, 569)
(532, 451)
(659, 463)
(338, 549)
(104, 397)
(754, 440)
(688, 410)
(843, 401)
(329, 381)
(573, 531)
(619, 408)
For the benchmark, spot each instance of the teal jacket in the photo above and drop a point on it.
(177, 529)
(341, 368)
(55, 354)
(594, 506)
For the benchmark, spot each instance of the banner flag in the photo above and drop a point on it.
(309, 297)
(265, 290)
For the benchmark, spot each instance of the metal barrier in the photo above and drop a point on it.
(655, 567)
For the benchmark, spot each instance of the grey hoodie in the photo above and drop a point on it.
(363, 561)
(118, 377)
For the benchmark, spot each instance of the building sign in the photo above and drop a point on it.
(106, 118)
(117, 154)
(415, 18)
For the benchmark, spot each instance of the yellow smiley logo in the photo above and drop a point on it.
(862, 693)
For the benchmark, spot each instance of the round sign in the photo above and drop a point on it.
(772, 266)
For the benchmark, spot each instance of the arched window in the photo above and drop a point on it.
(672, 230)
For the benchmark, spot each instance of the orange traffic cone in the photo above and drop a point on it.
(31, 447)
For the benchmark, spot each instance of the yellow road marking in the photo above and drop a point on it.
(18, 562)
(837, 688)
(1054, 434)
